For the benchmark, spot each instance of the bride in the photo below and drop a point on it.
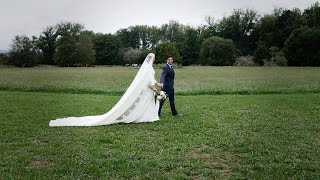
(135, 106)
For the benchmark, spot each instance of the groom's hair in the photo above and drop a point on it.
(169, 56)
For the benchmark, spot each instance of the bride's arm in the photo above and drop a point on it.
(153, 87)
(153, 82)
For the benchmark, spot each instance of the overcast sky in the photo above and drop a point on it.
(30, 17)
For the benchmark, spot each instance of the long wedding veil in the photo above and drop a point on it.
(125, 110)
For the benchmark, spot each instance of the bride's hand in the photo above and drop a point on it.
(154, 89)
(160, 84)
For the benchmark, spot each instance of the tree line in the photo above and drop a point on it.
(285, 37)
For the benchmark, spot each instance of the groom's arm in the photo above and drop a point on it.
(163, 75)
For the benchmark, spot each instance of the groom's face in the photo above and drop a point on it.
(170, 60)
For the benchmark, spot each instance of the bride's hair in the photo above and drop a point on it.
(150, 58)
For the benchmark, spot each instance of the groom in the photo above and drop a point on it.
(167, 85)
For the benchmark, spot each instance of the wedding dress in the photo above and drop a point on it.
(136, 105)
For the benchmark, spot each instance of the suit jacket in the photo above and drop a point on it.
(167, 77)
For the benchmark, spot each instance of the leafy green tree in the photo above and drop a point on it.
(65, 54)
(172, 32)
(47, 45)
(274, 30)
(140, 37)
(47, 42)
(144, 35)
(302, 47)
(163, 50)
(208, 30)
(262, 53)
(266, 28)
(312, 15)
(73, 29)
(191, 47)
(85, 51)
(241, 27)
(129, 37)
(107, 48)
(4, 59)
(88, 33)
(284, 24)
(148, 36)
(154, 36)
(74, 45)
(217, 51)
(22, 53)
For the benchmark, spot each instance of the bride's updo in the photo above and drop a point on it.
(150, 58)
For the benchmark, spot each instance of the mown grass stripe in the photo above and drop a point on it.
(182, 93)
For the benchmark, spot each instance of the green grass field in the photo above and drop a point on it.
(264, 124)
(189, 80)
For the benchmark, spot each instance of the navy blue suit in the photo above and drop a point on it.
(167, 79)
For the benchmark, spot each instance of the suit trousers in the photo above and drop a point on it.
(170, 92)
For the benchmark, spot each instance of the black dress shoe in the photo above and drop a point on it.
(176, 115)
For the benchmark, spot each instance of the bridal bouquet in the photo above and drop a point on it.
(161, 95)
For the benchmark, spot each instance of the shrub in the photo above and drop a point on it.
(132, 56)
(244, 61)
(277, 56)
(217, 51)
(164, 49)
(302, 47)
(4, 59)
(261, 54)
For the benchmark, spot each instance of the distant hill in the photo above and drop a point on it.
(3, 51)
